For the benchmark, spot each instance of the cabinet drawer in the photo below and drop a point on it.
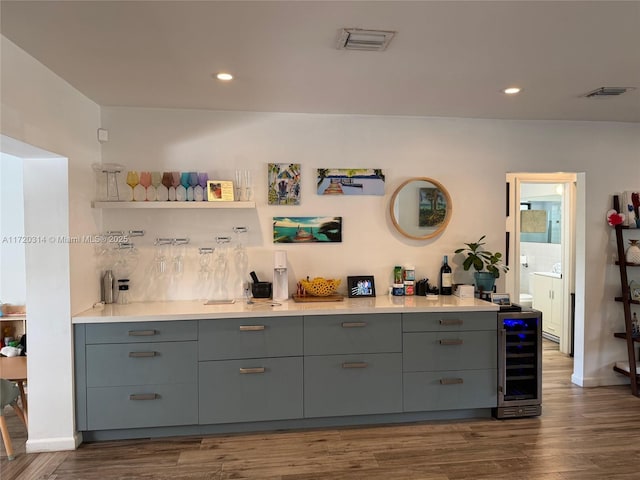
(250, 390)
(250, 338)
(337, 385)
(141, 332)
(142, 406)
(450, 390)
(141, 364)
(346, 334)
(449, 321)
(429, 351)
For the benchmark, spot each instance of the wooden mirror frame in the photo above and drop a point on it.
(432, 233)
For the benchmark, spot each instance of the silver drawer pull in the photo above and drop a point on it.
(251, 328)
(142, 333)
(253, 370)
(142, 354)
(144, 396)
(450, 341)
(451, 381)
(355, 365)
(451, 322)
(353, 324)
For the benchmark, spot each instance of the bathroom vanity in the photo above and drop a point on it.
(180, 368)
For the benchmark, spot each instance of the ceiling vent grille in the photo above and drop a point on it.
(607, 92)
(367, 40)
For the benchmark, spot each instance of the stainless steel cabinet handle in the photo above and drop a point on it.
(144, 396)
(142, 354)
(451, 322)
(251, 328)
(353, 324)
(451, 381)
(142, 333)
(451, 341)
(253, 370)
(355, 365)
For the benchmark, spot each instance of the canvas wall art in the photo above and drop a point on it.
(307, 229)
(350, 181)
(284, 184)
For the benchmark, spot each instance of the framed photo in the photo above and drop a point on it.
(362, 286)
(220, 190)
(502, 299)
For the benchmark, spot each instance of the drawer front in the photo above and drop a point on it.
(449, 321)
(142, 406)
(250, 390)
(450, 390)
(337, 385)
(250, 338)
(346, 334)
(142, 332)
(429, 351)
(141, 364)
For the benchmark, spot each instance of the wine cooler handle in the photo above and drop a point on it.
(502, 368)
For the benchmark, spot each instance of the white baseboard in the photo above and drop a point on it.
(53, 444)
(590, 382)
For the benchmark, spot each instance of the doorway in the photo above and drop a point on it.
(543, 239)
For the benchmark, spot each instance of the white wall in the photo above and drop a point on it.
(469, 157)
(42, 110)
(12, 260)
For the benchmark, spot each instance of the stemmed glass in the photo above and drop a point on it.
(152, 191)
(163, 189)
(247, 185)
(238, 185)
(175, 183)
(203, 178)
(132, 180)
(181, 190)
(140, 194)
(193, 181)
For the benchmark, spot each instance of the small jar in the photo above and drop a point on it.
(397, 290)
(409, 273)
(397, 275)
(409, 287)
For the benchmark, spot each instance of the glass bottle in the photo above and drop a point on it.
(445, 277)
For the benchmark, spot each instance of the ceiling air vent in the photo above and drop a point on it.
(607, 92)
(359, 39)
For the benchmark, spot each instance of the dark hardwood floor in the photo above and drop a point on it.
(583, 434)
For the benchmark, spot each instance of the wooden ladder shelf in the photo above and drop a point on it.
(631, 339)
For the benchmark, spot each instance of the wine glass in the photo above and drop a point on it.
(132, 181)
(238, 185)
(145, 183)
(181, 189)
(175, 182)
(193, 182)
(203, 178)
(163, 189)
(152, 191)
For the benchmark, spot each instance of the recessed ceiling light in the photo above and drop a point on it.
(512, 90)
(225, 77)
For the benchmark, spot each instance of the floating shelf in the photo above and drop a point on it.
(636, 338)
(181, 205)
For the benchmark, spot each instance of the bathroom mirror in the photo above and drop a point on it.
(420, 208)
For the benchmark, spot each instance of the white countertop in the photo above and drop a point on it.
(196, 309)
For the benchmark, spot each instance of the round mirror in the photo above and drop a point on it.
(420, 208)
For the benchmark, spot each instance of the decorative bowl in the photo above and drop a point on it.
(320, 287)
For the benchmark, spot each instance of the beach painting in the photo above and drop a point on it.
(350, 181)
(284, 184)
(307, 229)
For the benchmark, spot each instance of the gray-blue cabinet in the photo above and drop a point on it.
(240, 374)
(450, 361)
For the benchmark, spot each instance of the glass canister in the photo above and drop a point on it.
(409, 273)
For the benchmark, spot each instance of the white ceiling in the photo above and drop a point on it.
(449, 58)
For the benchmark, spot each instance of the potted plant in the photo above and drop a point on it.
(487, 264)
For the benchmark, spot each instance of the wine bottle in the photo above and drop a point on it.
(445, 278)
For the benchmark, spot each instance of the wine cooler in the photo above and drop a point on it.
(519, 364)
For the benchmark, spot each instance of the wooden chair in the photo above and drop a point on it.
(9, 394)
